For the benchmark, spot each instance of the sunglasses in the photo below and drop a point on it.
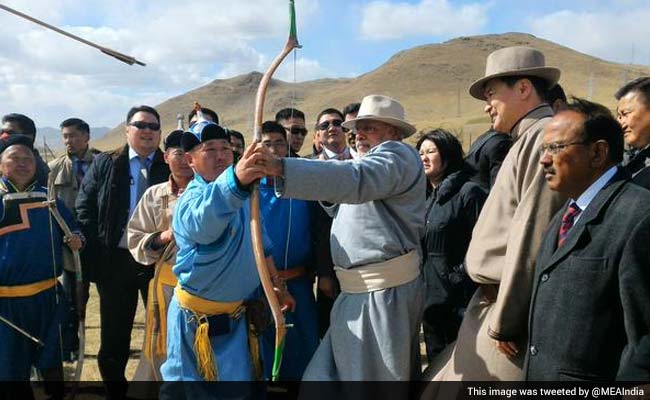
(297, 131)
(8, 132)
(152, 126)
(325, 125)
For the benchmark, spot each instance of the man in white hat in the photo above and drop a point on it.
(378, 210)
(501, 256)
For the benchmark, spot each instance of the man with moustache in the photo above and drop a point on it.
(509, 231)
(377, 203)
(109, 194)
(633, 112)
(66, 174)
(590, 309)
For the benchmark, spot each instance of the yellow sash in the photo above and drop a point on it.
(202, 308)
(156, 303)
(27, 290)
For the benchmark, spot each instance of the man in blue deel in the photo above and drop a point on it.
(208, 337)
(32, 303)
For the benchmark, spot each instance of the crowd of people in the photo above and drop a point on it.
(524, 259)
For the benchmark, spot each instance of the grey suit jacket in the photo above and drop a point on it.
(590, 307)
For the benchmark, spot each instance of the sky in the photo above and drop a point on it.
(190, 43)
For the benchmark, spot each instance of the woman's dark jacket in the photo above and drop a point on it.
(452, 210)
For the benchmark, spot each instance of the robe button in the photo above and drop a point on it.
(533, 350)
(544, 277)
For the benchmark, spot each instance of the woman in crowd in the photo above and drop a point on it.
(453, 206)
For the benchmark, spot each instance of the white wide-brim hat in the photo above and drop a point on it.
(515, 61)
(385, 109)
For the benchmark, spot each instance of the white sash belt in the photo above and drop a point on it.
(387, 274)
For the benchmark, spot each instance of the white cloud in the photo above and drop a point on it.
(387, 20)
(185, 45)
(621, 37)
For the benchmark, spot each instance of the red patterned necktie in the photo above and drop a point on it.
(567, 222)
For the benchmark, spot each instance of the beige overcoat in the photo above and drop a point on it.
(153, 215)
(501, 259)
(64, 181)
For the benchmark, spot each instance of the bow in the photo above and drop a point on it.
(256, 227)
(81, 305)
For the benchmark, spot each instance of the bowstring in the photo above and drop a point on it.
(293, 107)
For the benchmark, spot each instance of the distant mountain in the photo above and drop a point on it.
(431, 82)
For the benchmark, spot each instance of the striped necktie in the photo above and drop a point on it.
(567, 223)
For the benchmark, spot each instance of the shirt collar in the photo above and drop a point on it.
(133, 154)
(588, 195)
(331, 154)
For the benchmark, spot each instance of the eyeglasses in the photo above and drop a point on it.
(325, 125)
(152, 126)
(296, 130)
(556, 148)
(8, 132)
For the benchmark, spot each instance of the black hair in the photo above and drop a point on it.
(147, 109)
(555, 93)
(238, 135)
(274, 127)
(25, 124)
(351, 108)
(540, 84)
(211, 113)
(287, 113)
(76, 123)
(599, 124)
(449, 147)
(329, 111)
(639, 85)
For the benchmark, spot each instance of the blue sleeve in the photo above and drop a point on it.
(203, 216)
(389, 169)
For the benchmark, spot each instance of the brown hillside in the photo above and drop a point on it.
(431, 81)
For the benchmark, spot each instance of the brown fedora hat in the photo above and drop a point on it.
(385, 109)
(515, 61)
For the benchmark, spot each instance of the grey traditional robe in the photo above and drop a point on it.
(379, 216)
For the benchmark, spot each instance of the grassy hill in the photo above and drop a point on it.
(431, 82)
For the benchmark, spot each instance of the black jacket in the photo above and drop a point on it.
(636, 164)
(452, 211)
(102, 204)
(590, 307)
(486, 155)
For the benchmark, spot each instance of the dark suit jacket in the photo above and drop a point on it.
(102, 204)
(642, 178)
(486, 155)
(590, 306)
